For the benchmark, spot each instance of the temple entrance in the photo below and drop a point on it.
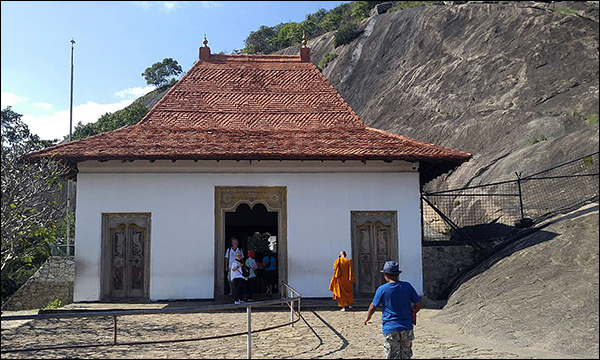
(247, 212)
(255, 229)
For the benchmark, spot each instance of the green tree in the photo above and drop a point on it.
(31, 202)
(260, 41)
(289, 34)
(131, 115)
(160, 73)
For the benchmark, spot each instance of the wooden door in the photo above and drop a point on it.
(126, 253)
(374, 242)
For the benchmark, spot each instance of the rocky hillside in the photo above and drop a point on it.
(540, 292)
(481, 77)
(517, 85)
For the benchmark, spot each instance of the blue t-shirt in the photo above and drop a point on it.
(269, 263)
(395, 300)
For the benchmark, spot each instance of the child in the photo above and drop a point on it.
(238, 280)
(251, 283)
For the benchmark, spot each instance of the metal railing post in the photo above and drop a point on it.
(115, 331)
(249, 343)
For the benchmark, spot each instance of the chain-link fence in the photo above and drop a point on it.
(488, 212)
(60, 249)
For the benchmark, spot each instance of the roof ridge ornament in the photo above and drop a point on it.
(303, 39)
(204, 53)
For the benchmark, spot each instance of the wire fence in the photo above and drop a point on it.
(290, 297)
(60, 249)
(487, 213)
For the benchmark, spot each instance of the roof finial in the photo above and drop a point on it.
(303, 39)
(205, 42)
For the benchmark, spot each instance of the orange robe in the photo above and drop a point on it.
(341, 281)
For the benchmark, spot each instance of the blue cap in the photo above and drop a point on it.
(391, 267)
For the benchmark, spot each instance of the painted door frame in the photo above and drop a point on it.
(227, 199)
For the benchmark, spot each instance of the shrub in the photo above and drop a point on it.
(345, 34)
(537, 140)
(54, 304)
(408, 4)
(325, 60)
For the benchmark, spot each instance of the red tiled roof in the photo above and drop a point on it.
(251, 107)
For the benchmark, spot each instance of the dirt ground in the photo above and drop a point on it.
(319, 334)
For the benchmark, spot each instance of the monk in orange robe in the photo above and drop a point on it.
(342, 280)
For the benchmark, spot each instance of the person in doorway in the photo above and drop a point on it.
(251, 282)
(398, 300)
(230, 259)
(237, 279)
(342, 280)
(260, 275)
(270, 266)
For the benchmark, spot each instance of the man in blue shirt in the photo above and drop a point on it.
(396, 298)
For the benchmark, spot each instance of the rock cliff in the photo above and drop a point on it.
(487, 78)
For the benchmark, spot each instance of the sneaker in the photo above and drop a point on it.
(237, 302)
(241, 302)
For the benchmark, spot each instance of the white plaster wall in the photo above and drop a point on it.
(182, 224)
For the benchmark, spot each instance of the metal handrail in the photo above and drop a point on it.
(295, 296)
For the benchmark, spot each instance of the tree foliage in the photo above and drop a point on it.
(269, 39)
(31, 201)
(131, 115)
(161, 73)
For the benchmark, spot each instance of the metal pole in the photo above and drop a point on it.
(70, 136)
(249, 343)
(115, 331)
(520, 195)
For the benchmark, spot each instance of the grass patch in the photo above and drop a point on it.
(325, 60)
(591, 120)
(567, 11)
(408, 4)
(537, 140)
(54, 304)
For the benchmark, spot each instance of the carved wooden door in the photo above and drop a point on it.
(126, 255)
(374, 242)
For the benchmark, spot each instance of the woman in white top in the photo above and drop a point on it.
(230, 259)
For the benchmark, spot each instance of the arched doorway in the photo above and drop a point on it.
(228, 199)
(255, 229)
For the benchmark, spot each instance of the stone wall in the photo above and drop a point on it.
(441, 264)
(52, 281)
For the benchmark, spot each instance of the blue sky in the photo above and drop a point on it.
(115, 42)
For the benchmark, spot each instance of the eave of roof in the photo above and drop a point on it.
(252, 107)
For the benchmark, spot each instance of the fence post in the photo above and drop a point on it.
(249, 343)
(115, 331)
(523, 222)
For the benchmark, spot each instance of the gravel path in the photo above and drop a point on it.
(319, 334)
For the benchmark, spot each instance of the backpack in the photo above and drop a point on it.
(245, 271)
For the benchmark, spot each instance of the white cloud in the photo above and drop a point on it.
(169, 6)
(134, 92)
(141, 4)
(210, 4)
(10, 99)
(57, 126)
(44, 106)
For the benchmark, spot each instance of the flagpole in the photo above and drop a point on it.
(70, 136)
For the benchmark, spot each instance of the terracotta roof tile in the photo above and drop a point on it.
(251, 107)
